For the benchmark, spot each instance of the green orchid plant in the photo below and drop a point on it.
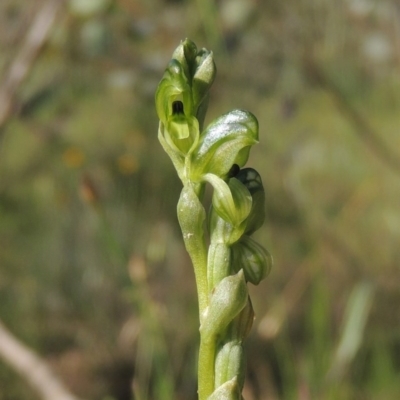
(219, 242)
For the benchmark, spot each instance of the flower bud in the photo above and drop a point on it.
(250, 256)
(240, 327)
(229, 364)
(231, 201)
(204, 74)
(225, 142)
(227, 300)
(186, 54)
(200, 71)
(191, 216)
(198, 65)
(202, 81)
(252, 180)
(218, 264)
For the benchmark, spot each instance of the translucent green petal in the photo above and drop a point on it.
(174, 86)
(182, 133)
(225, 142)
(232, 201)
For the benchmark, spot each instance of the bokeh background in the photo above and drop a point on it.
(93, 274)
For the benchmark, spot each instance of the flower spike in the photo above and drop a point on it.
(214, 156)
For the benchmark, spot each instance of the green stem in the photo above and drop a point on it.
(196, 248)
(191, 215)
(206, 367)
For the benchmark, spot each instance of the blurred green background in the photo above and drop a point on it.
(93, 273)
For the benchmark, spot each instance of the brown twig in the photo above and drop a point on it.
(31, 367)
(22, 64)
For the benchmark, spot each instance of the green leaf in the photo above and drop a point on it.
(225, 142)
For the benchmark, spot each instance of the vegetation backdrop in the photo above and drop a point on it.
(93, 274)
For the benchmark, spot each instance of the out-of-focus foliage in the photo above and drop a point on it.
(93, 273)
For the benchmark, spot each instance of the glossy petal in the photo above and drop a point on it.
(225, 142)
